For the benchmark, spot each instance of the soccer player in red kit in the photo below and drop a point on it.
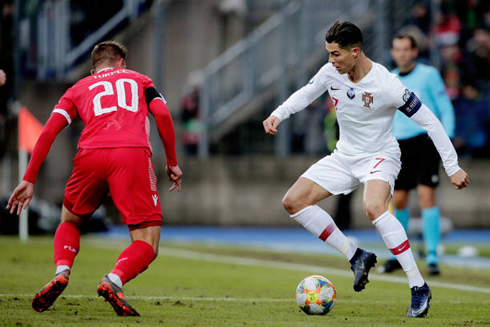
(114, 157)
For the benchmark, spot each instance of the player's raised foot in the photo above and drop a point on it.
(390, 266)
(420, 301)
(361, 263)
(114, 295)
(433, 269)
(50, 292)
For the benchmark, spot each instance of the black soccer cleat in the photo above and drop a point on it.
(420, 301)
(361, 263)
(390, 266)
(114, 295)
(433, 269)
(50, 292)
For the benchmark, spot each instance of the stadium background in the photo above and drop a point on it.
(223, 66)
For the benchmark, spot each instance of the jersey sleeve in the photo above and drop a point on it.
(426, 119)
(152, 94)
(304, 96)
(401, 98)
(397, 93)
(53, 127)
(444, 107)
(165, 128)
(66, 107)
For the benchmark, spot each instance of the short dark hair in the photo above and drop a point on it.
(346, 34)
(108, 52)
(401, 36)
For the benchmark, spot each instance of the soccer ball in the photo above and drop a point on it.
(315, 295)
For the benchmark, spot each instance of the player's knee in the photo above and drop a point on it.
(290, 204)
(374, 209)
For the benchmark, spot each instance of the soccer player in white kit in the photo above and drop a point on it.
(366, 96)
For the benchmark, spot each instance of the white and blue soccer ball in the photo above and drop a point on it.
(315, 295)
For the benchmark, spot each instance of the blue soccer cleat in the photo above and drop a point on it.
(361, 263)
(420, 301)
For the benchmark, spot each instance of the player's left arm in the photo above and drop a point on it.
(158, 107)
(408, 103)
(426, 119)
(443, 104)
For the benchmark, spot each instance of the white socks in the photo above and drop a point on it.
(396, 240)
(61, 268)
(115, 279)
(319, 223)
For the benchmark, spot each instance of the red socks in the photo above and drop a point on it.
(133, 260)
(66, 244)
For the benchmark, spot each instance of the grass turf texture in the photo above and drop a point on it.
(218, 286)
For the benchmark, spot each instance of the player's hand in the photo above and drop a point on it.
(270, 125)
(460, 179)
(21, 197)
(174, 175)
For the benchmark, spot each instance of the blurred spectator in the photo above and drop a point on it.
(191, 122)
(331, 128)
(3, 77)
(472, 117)
(478, 48)
(420, 17)
(6, 71)
(448, 26)
(453, 69)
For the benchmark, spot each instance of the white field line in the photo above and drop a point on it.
(175, 298)
(179, 253)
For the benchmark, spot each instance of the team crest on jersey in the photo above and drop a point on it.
(351, 94)
(367, 98)
(406, 95)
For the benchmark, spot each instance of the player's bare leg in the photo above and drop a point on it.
(300, 201)
(132, 261)
(377, 194)
(66, 245)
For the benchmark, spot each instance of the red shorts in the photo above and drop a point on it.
(126, 173)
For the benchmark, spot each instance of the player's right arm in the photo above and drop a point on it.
(297, 101)
(22, 195)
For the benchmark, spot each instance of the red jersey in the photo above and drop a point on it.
(112, 106)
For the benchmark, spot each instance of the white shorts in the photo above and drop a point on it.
(338, 173)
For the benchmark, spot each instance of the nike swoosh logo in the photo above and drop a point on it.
(334, 88)
(374, 171)
(422, 309)
(404, 247)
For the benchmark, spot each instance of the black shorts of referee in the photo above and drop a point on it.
(420, 163)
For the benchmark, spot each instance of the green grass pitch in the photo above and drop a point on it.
(200, 285)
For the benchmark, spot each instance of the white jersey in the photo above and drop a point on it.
(365, 112)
